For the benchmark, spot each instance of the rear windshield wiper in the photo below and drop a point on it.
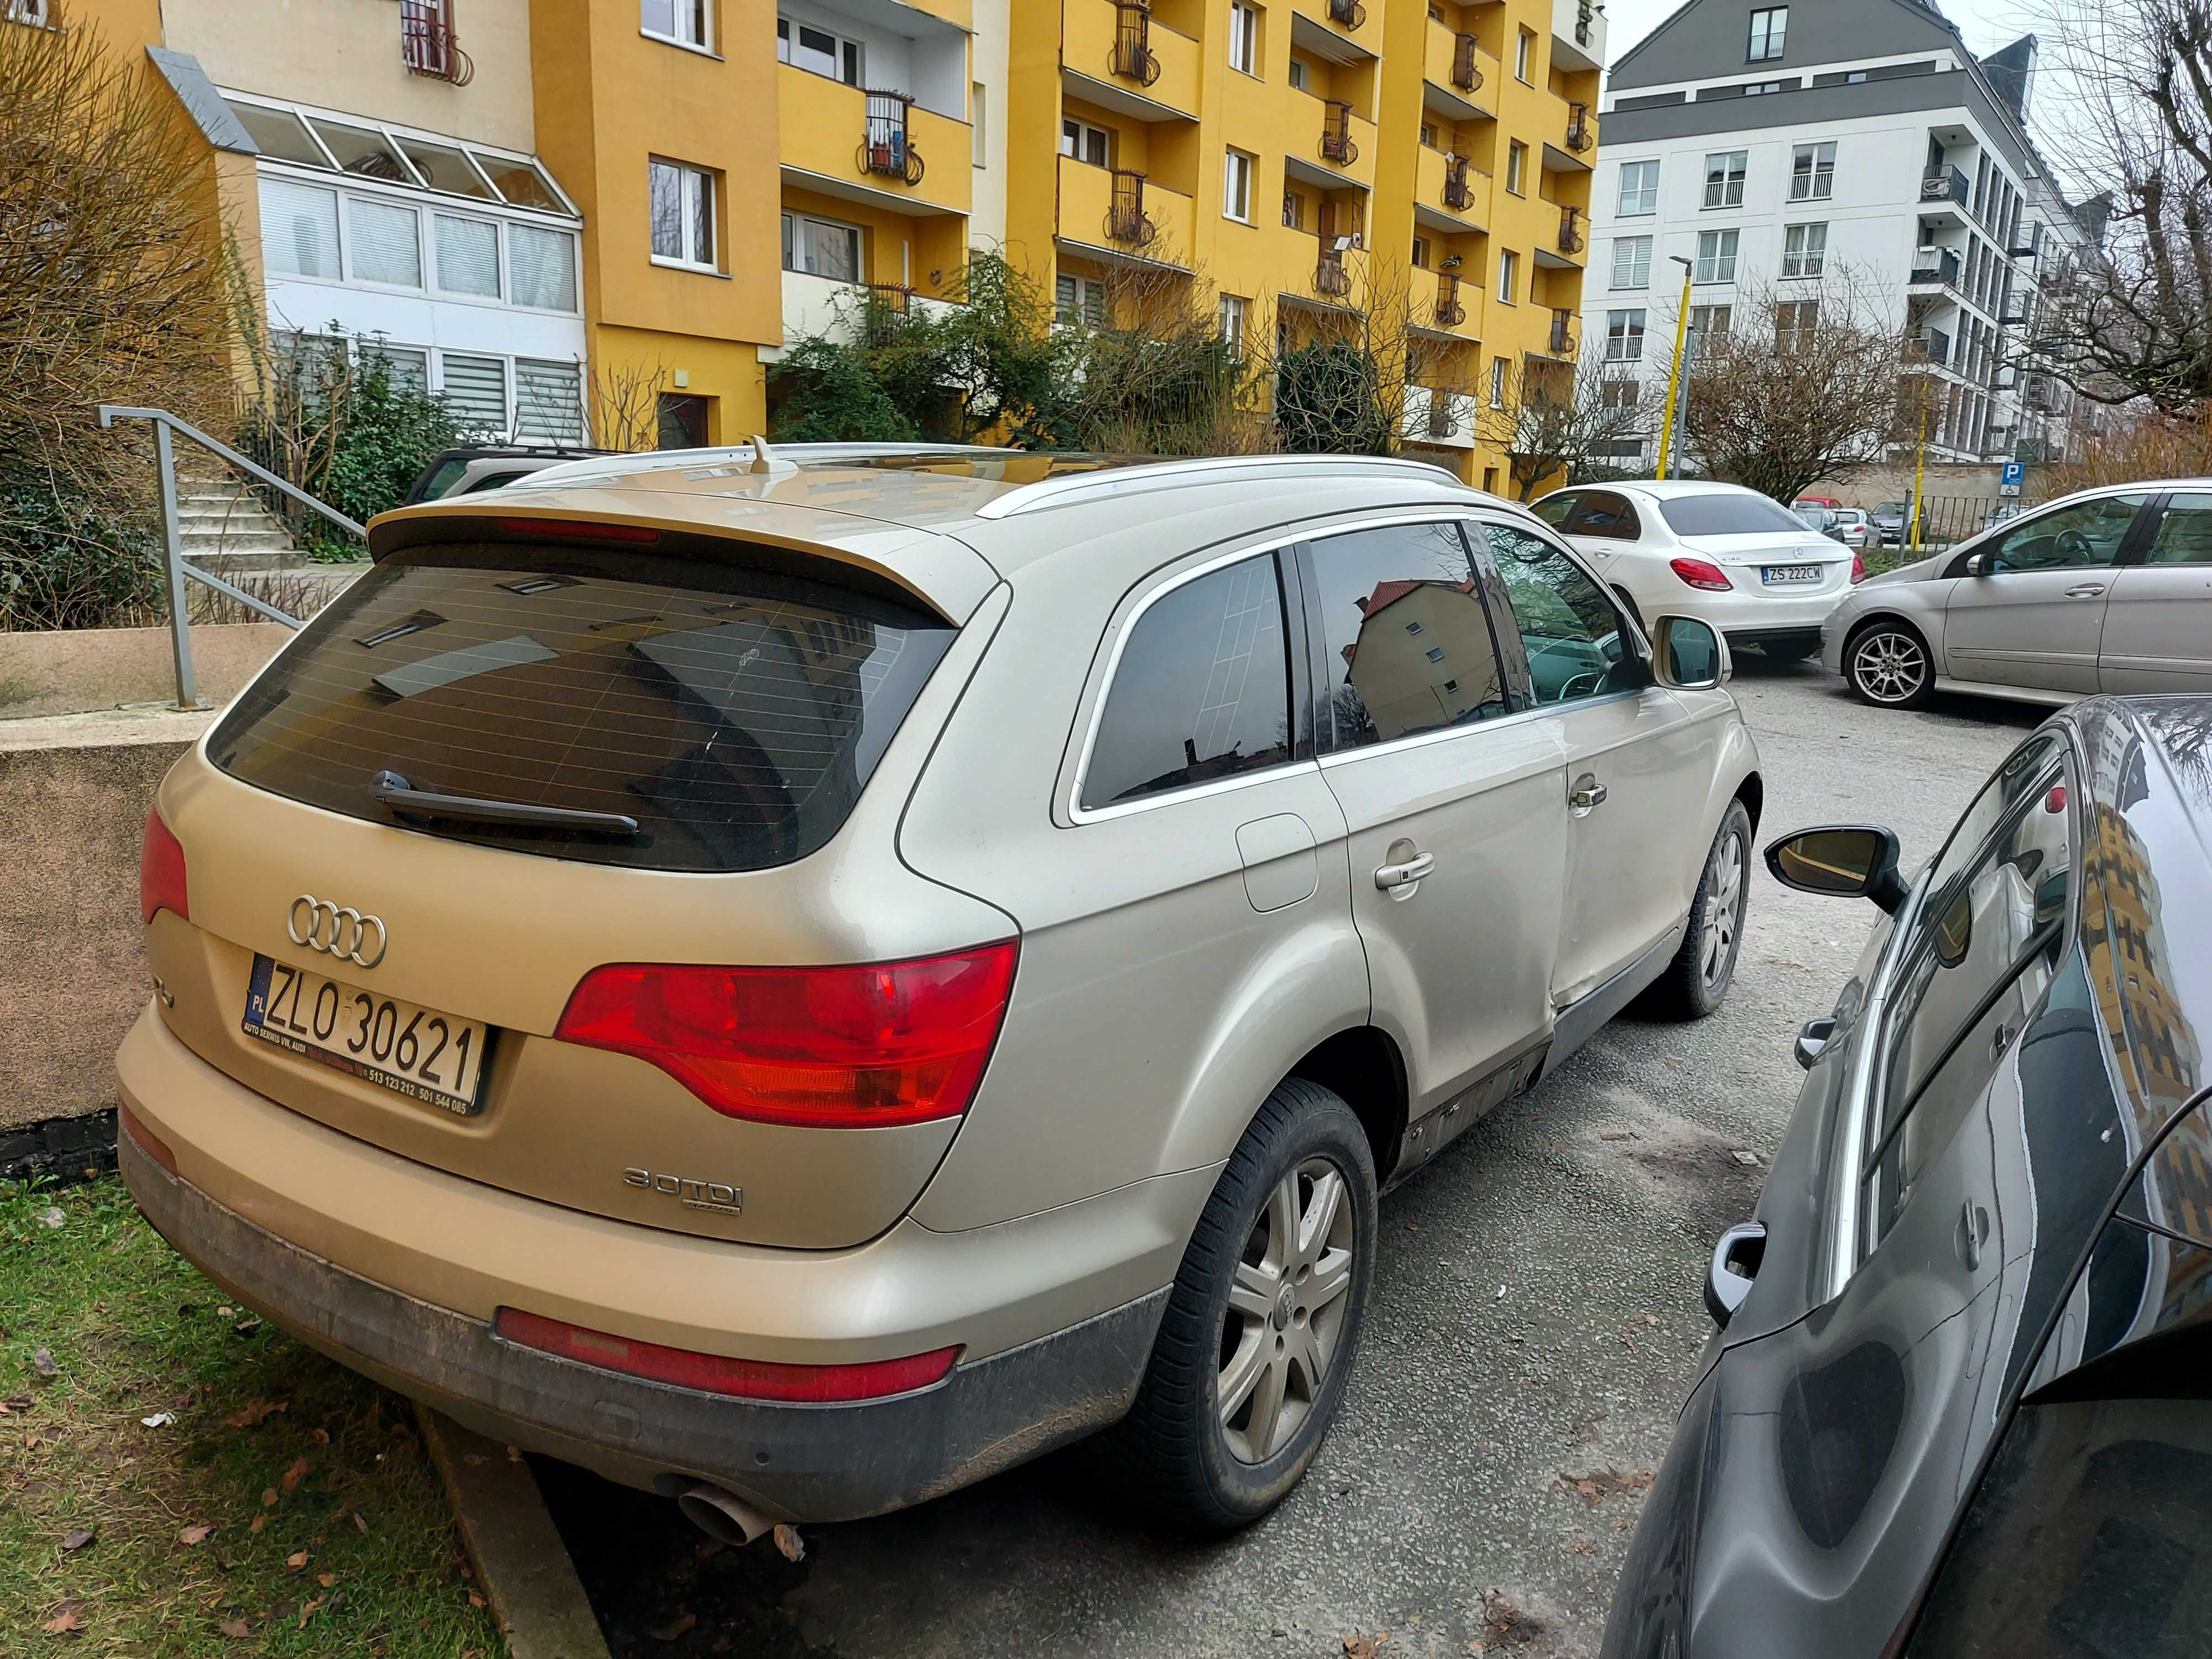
(390, 789)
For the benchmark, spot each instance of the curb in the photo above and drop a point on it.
(60, 1148)
(520, 1561)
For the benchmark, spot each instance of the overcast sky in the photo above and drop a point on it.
(1987, 24)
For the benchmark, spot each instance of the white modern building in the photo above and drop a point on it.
(1837, 151)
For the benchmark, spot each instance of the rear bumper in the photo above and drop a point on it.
(397, 1270)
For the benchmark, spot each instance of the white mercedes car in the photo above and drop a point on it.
(1728, 555)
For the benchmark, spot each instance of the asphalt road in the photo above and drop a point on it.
(1536, 1312)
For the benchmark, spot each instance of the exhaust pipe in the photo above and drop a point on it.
(722, 1515)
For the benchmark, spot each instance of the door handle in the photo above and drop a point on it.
(1973, 1233)
(1406, 874)
(1734, 1266)
(1586, 797)
(2084, 590)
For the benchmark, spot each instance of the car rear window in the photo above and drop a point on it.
(1726, 515)
(734, 713)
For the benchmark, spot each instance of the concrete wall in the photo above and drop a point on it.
(73, 671)
(73, 970)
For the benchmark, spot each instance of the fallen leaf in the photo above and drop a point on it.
(476, 1600)
(359, 1522)
(296, 1473)
(254, 1412)
(710, 1547)
(63, 1623)
(222, 1313)
(237, 1629)
(246, 1326)
(42, 1362)
(51, 1215)
(1365, 1647)
(77, 1539)
(194, 1534)
(268, 1498)
(1581, 1546)
(674, 1628)
(309, 1612)
(788, 1543)
(258, 1522)
(296, 1560)
(320, 1437)
(327, 1579)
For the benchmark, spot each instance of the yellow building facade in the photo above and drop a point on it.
(604, 219)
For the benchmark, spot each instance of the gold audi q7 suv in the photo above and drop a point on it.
(799, 980)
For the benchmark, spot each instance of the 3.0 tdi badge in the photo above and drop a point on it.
(717, 1196)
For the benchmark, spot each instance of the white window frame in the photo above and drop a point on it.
(434, 275)
(1636, 252)
(1420, 252)
(692, 14)
(795, 219)
(1805, 254)
(30, 13)
(1736, 166)
(1813, 166)
(1498, 382)
(1716, 256)
(1301, 77)
(1235, 312)
(1245, 38)
(852, 51)
(1239, 169)
(1625, 329)
(369, 284)
(1087, 297)
(1509, 267)
(1646, 190)
(1516, 168)
(688, 224)
(1073, 145)
(1702, 331)
(1769, 35)
(1523, 48)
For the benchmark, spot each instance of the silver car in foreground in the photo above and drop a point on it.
(2107, 589)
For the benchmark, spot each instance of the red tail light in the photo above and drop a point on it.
(160, 871)
(1697, 573)
(1858, 569)
(713, 1373)
(869, 1047)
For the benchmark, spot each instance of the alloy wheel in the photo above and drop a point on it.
(1723, 911)
(1287, 1309)
(1889, 666)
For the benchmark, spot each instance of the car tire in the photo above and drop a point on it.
(1887, 662)
(1696, 981)
(1177, 1453)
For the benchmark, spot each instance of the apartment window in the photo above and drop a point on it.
(1245, 38)
(1709, 323)
(1079, 301)
(1813, 172)
(1496, 384)
(1715, 257)
(475, 390)
(1624, 337)
(1294, 210)
(1631, 261)
(1237, 187)
(1516, 164)
(1420, 252)
(1724, 172)
(33, 12)
(683, 21)
(1086, 142)
(1760, 88)
(980, 155)
(549, 401)
(1804, 250)
(1524, 43)
(1233, 314)
(468, 256)
(1301, 77)
(1430, 137)
(1768, 28)
(1795, 322)
(819, 52)
(822, 248)
(299, 229)
(1639, 188)
(1508, 269)
(683, 205)
(541, 268)
(384, 243)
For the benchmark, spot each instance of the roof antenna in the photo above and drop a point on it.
(763, 456)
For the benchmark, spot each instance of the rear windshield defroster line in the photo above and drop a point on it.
(735, 714)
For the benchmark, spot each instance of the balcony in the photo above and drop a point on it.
(1562, 341)
(1331, 278)
(1578, 33)
(1135, 63)
(2039, 397)
(1932, 344)
(1435, 416)
(1450, 310)
(1581, 136)
(1123, 213)
(1451, 184)
(1343, 141)
(1935, 267)
(427, 44)
(821, 305)
(1572, 239)
(1348, 14)
(1461, 70)
(1944, 188)
(1337, 143)
(1359, 23)
(1574, 149)
(873, 146)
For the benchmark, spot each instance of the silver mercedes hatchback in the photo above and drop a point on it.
(800, 980)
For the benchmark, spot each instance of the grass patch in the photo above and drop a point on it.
(326, 1529)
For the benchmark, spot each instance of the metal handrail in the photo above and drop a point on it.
(164, 469)
(1336, 142)
(1465, 73)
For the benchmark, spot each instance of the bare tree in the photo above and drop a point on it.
(622, 409)
(1806, 386)
(1561, 420)
(2136, 320)
(1338, 371)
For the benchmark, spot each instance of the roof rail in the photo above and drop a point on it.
(1167, 475)
(784, 457)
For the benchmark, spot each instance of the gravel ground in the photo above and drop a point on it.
(1536, 1312)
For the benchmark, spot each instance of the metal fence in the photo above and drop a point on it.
(1945, 520)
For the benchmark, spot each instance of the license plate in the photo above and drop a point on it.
(1784, 576)
(417, 1052)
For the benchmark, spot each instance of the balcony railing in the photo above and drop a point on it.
(1451, 313)
(1938, 266)
(1933, 344)
(1579, 135)
(1125, 218)
(1133, 58)
(1563, 332)
(1572, 240)
(1330, 278)
(1443, 414)
(885, 147)
(1943, 185)
(428, 45)
(1348, 14)
(1465, 75)
(1459, 195)
(1336, 143)
(2038, 397)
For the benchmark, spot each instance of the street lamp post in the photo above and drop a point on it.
(1674, 372)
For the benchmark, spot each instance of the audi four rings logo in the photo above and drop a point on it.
(338, 930)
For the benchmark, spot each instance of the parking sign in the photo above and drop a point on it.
(2015, 471)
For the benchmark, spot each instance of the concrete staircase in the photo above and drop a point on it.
(221, 518)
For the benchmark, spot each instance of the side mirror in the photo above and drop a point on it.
(1689, 654)
(1979, 564)
(1840, 861)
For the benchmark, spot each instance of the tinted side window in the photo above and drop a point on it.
(1408, 637)
(2023, 770)
(1567, 625)
(1202, 689)
(2185, 532)
(1600, 512)
(1556, 509)
(2068, 538)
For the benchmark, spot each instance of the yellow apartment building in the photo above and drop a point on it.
(560, 213)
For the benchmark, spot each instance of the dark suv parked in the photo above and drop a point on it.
(1960, 1400)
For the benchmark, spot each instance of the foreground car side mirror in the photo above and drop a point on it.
(1850, 860)
(1979, 564)
(1689, 654)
